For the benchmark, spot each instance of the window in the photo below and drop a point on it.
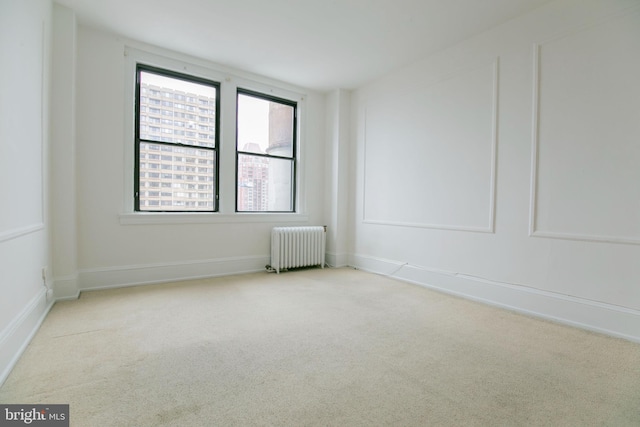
(166, 138)
(265, 153)
(161, 158)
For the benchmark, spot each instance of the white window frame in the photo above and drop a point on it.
(229, 82)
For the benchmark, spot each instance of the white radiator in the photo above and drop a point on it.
(293, 247)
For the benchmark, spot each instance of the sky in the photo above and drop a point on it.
(253, 121)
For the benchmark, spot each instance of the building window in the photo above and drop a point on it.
(168, 84)
(265, 153)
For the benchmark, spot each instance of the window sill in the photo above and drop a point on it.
(150, 218)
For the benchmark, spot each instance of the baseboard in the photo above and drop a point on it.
(337, 260)
(133, 275)
(595, 316)
(15, 338)
(66, 288)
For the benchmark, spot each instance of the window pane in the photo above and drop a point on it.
(166, 102)
(174, 178)
(264, 184)
(265, 126)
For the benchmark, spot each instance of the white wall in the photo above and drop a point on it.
(509, 173)
(116, 249)
(63, 153)
(337, 176)
(25, 38)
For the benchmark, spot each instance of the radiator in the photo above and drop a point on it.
(293, 247)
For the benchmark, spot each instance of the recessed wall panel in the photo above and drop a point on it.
(587, 147)
(23, 130)
(430, 154)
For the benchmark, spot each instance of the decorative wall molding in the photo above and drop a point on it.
(21, 231)
(17, 335)
(533, 179)
(132, 275)
(45, 68)
(534, 230)
(585, 237)
(490, 227)
(595, 316)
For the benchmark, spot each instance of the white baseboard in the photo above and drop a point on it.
(132, 275)
(66, 288)
(337, 260)
(595, 316)
(15, 338)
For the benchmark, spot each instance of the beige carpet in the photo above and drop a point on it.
(333, 347)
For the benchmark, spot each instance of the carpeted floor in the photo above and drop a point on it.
(332, 347)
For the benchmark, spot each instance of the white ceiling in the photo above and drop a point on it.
(319, 44)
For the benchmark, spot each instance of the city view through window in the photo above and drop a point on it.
(265, 145)
(177, 157)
